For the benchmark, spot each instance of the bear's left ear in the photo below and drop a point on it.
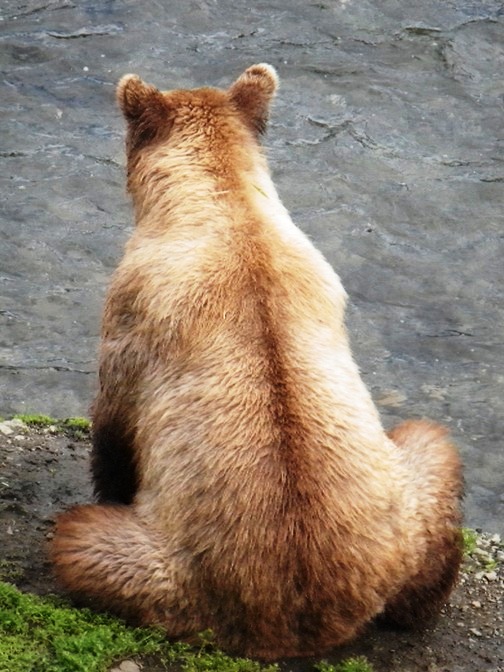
(252, 94)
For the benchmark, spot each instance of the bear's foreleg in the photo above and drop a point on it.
(436, 473)
(107, 558)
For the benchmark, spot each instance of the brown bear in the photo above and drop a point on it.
(245, 482)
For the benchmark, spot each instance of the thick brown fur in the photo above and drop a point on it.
(244, 478)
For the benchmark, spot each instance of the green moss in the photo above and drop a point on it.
(210, 659)
(469, 540)
(358, 664)
(9, 570)
(76, 423)
(78, 428)
(35, 419)
(47, 635)
(479, 551)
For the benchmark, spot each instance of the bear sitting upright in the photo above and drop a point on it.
(245, 482)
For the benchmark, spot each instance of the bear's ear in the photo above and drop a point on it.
(135, 97)
(252, 94)
(144, 107)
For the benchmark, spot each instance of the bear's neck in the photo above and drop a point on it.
(171, 189)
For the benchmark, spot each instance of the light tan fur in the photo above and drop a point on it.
(245, 480)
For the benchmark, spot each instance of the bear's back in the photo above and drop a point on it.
(253, 416)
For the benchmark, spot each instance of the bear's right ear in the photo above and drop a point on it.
(144, 107)
(252, 94)
(135, 97)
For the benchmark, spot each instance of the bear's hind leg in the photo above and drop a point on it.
(105, 557)
(436, 472)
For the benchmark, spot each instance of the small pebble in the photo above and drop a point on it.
(16, 422)
(126, 666)
(476, 604)
(490, 576)
(475, 632)
(5, 429)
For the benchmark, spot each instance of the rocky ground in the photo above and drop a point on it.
(45, 471)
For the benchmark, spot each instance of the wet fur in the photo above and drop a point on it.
(244, 478)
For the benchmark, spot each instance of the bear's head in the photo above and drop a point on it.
(153, 115)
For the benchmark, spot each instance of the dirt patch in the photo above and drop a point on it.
(42, 473)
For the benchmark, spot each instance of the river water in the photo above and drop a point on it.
(386, 143)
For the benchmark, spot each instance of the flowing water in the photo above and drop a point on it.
(386, 143)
